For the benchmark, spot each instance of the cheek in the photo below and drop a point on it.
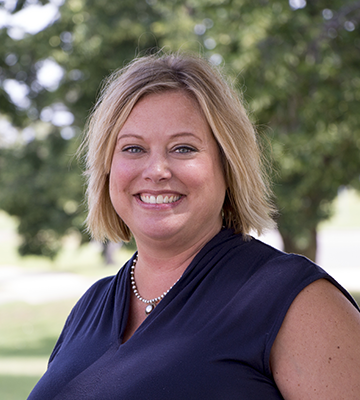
(217, 185)
(113, 177)
(116, 181)
(112, 190)
(208, 180)
(111, 185)
(122, 182)
(120, 173)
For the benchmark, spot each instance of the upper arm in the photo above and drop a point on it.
(316, 354)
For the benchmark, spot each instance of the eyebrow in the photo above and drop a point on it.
(174, 136)
(129, 135)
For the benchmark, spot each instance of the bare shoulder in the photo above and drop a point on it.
(316, 354)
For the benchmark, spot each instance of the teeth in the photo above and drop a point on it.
(159, 199)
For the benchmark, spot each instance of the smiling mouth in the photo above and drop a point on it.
(160, 199)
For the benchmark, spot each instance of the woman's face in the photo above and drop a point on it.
(166, 179)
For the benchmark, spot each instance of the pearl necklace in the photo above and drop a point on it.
(152, 303)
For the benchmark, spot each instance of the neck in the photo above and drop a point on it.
(162, 257)
(158, 268)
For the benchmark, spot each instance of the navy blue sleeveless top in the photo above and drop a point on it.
(210, 337)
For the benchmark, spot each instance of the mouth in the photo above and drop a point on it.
(160, 199)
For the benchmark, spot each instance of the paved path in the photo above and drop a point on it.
(337, 253)
(17, 284)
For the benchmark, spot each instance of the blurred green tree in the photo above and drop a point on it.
(39, 187)
(58, 71)
(48, 85)
(299, 63)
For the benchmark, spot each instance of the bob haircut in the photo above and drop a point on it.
(247, 204)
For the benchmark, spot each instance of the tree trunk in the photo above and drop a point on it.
(293, 246)
(109, 249)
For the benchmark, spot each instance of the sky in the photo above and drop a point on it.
(33, 18)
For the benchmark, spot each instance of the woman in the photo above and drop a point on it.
(202, 310)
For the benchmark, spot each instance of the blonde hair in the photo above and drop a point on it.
(247, 204)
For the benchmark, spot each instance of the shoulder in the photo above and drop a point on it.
(86, 310)
(288, 273)
(281, 274)
(317, 349)
(89, 299)
(280, 281)
(95, 292)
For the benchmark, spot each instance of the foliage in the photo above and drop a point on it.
(87, 42)
(298, 69)
(43, 191)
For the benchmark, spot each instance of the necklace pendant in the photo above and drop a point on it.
(149, 308)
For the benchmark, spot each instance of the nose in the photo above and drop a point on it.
(157, 168)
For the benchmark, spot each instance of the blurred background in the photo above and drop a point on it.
(297, 64)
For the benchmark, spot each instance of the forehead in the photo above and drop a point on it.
(177, 108)
(180, 98)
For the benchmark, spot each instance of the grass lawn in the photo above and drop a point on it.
(16, 387)
(28, 334)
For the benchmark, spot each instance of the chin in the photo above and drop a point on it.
(160, 232)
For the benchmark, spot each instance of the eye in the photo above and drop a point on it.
(132, 149)
(184, 149)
